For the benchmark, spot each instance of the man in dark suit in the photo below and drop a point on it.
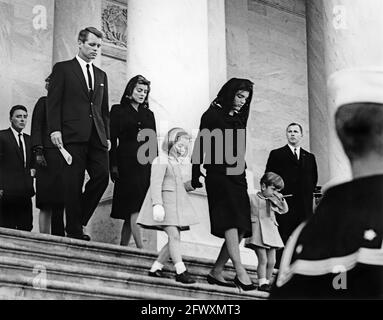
(16, 182)
(78, 119)
(298, 169)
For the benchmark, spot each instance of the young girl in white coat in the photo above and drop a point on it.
(167, 205)
(265, 239)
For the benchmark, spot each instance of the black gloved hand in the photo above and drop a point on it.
(114, 175)
(196, 184)
(196, 174)
(39, 157)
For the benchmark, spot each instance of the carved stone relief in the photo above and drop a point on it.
(114, 27)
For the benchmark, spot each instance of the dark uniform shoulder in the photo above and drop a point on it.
(347, 218)
(344, 234)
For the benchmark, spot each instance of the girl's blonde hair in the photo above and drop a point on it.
(172, 137)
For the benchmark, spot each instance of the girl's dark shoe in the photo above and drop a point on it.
(265, 287)
(244, 287)
(185, 277)
(211, 280)
(157, 274)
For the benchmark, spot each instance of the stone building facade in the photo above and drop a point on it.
(188, 49)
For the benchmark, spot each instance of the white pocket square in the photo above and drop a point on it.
(101, 84)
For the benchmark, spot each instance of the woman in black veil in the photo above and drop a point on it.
(220, 145)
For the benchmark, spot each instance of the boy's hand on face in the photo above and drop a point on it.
(278, 195)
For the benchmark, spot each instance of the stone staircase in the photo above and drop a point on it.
(38, 266)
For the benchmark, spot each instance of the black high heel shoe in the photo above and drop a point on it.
(244, 287)
(211, 280)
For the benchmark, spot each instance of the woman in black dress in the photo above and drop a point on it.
(131, 178)
(49, 165)
(226, 186)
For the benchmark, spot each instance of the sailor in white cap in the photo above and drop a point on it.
(337, 253)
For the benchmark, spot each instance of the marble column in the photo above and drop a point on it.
(217, 46)
(70, 17)
(318, 112)
(168, 44)
(351, 37)
(26, 33)
(238, 42)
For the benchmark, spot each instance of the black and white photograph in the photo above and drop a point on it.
(191, 155)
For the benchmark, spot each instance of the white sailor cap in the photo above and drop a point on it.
(356, 85)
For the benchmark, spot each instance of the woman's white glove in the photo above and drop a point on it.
(158, 213)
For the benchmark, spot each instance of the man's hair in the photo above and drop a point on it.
(83, 35)
(272, 179)
(15, 108)
(360, 128)
(295, 124)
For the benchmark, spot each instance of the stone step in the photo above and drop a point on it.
(107, 266)
(38, 273)
(100, 254)
(20, 287)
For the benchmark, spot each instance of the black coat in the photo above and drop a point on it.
(229, 204)
(224, 149)
(49, 180)
(338, 253)
(300, 178)
(39, 129)
(15, 179)
(134, 178)
(70, 107)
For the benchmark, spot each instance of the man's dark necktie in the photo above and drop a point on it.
(296, 154)
(21, 147)
(89, 80)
